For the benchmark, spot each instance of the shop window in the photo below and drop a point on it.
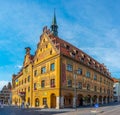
(36, 102)
(44, 101)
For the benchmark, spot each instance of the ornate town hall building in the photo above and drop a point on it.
(60, 75)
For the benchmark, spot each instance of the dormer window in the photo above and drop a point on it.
(76, 52)
(82, 59)
(67, 47)
(89, 63)
(51, 52)
(72, 54)
(44, 40)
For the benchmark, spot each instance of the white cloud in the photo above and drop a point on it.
(19, 66)
(108, 56)
(2, 83)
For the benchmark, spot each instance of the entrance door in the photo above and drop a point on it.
(53, 101)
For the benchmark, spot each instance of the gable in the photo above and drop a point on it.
(45, 49)
(28, 57)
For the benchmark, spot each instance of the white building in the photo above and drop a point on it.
(116, 90)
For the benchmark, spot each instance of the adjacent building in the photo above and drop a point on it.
(60, 75)
(116, 89)
(5, 94)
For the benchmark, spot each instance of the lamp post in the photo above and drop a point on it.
(75, 90)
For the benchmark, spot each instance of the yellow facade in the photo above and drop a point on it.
(60, 75)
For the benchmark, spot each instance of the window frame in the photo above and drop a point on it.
(43, 70)
(52, 66)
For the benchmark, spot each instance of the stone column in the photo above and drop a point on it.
(62, 102)
(91, 101)
(106, 100)
(112, 99)
(97, 100)
(74, 102)
(58, 103)
(102, 101)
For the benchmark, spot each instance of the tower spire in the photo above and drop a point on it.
(54, 26)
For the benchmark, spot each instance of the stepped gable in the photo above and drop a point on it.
(72, 52)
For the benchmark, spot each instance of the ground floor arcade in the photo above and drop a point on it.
(64, 99)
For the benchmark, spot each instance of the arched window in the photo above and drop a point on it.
(36, 102)
(88, 87)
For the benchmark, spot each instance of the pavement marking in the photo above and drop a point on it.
(114, 109)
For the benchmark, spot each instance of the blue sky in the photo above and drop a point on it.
(91, 25)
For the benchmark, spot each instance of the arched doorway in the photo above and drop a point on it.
(100, 99)
(108, 99)
(37, 102)
(53, 101)
(68, 100)
(87, 100)
(94, 99)
(104, 99)
(80, 100)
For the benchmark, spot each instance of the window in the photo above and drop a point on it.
(79, 71)
(108, 91)
(95, 88)
(35, 73)
(44, 101)
(100, 79)
(43, 40)
(104, 81)
(79, 85)
(28, 78)
(43, 83)
(88, 87)
(28, 89)
(22, 81)
(69, 67)
(104, 90)
(52, 67)
(95, 77)
(35, 86)
(52, 82)
(100, 90)
(114, 92)
(43, 70)
(69, 83)
(87, 74)
(82, 59)
(25, 80)
(51, 52)
(72, 54)
(67, 47)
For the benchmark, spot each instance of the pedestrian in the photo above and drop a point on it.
(27, 105)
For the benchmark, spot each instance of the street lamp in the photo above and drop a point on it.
(75, 90)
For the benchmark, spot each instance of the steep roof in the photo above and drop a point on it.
(74, 53)
(115, 80)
